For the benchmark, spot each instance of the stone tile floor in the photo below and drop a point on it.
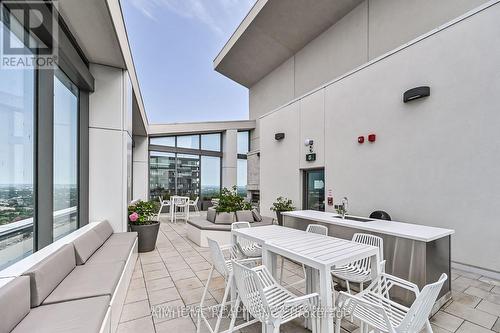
(173, 276)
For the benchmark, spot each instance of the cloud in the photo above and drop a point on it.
(212, 13)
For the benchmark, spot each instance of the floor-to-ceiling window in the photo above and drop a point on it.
(40, 117)
(210, 177)
(188, 175)
(243, 144)
(65, 155)
(17, 114)
(186, 165)
(161, 174)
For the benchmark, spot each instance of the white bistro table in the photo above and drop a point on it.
(175, 203)
(319, 253)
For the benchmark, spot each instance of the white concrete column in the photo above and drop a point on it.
(110, 146)
(140, 168)
(229, 158)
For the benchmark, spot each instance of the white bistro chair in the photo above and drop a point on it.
(194, 204)
(312, 228)
(374, 308)
(267, 301)
(248, 248)
(163, 203)
(180, 208)
(360, 271)
(222, 264)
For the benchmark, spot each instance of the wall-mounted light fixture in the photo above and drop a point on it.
(416, 93)
(279, 136)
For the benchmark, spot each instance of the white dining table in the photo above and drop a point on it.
(319, 253)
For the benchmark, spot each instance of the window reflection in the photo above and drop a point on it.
(65, 156)
(243, 142)
(188, 175)
(17, 105)
(188, 141)
(211, 142)
(168, 141)
(162, 175)
(242, 177)
(210, 177)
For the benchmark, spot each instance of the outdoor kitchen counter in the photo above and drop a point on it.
(398, 229)
(416, 253)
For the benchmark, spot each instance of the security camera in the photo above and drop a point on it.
(308, 142)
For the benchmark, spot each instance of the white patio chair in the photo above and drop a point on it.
(225, 268)
(312, 228)
(360, 271)
(374, 308)
(180, 206)
(194, 204)
(163, 203)
(248, 248)
(267, 301)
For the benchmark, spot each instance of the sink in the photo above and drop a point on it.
(352, 218)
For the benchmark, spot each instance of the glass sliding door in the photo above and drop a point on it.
(65, 156)
(314, 189)
(17, 114)
(188, 175)
(161, 175)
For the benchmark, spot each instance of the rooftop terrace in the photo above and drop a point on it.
(175, 273)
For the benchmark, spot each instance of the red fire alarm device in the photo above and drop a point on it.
(330, 201)
(361, 139)
(372, 137)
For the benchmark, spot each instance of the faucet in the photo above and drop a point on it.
(345, 205)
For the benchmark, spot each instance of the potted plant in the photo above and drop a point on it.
(141, 219)
(282, 205)
(229, 203)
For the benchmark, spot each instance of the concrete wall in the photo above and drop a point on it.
(229, 158)
(372, 29)
(435, 160)
(140, 168)
(110, 146)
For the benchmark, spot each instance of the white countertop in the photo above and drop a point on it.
(399, 229)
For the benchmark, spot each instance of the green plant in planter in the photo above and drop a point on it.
(282, 205)
(230, 201)
(142, 212)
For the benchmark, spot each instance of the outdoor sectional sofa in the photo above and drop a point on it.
(199, 228)
(80, 287)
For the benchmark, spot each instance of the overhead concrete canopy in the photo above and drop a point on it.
(200, 127)
(92, 26)
(99, 30)
(272, 32)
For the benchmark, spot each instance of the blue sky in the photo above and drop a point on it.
(173, 44)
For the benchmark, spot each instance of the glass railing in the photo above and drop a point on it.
(16, 238)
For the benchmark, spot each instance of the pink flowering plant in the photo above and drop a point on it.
(143, 212)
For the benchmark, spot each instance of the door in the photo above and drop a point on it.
(314, 189)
